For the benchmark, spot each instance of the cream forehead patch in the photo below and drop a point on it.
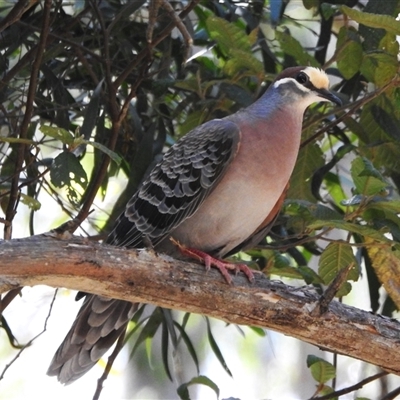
(317, 77)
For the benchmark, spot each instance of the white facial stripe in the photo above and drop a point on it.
(286, 80)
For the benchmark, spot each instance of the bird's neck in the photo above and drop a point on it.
(272, 102)
(274, 109)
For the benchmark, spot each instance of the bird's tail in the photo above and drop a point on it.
(97, 326)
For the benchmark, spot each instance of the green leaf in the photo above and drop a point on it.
(193, 120)
(367, 179)
(335, 257)
(277, 264)
(351, 227)
(310, 158)
(114, 156)
(293, 47)
(309, 4)
(386, 264)
(183, 392)
(379, 68)
(136, 317)
(288, 272)
(323, 173)
(241, 96)
(349, 52)
(191, 84)
(324, 390)
(67, 169)
(29, 201)
(60, 134)
(355, 127)
(215, 348)
(344, 290)
(189, 345)
(387, 155)
(253, 36)
(390, 24)
(309, 275)
(228, 35)
(389, 44)
(388, 122)
(321, 370)
(335, 188)
(243, 61)
(149, 330)
(370, 170)
(385, 205)
(258, 331)
(92, 112)
(200, 380)
(185, 319)
(164, 349)
(382, 149)
(280, 262)
(309, 211)
(137, 325)
(327, 10)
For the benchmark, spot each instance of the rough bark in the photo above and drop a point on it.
(142, 276)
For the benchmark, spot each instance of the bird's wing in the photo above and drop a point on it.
(174, 190)
(177, 186)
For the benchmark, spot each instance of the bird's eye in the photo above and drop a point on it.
(302, 78)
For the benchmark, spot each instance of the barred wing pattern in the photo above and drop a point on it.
(178, 185)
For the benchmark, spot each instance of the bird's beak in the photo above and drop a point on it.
(326, 94)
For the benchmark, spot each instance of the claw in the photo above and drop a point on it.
(209, 261)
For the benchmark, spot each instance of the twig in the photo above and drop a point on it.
(113, 107)
(330, 292)
(154, 6)
(350, 389)
(107, 369)
(145, 52)
(16, 13)
(303, 240)
(392, 395)
(8, 298)
(14, 195)
(33, 339)
(63, 39)
(132, 93)
(188, 41)
(30, 54)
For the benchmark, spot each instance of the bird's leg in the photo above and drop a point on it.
(209, 261)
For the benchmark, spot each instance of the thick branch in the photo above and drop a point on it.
(142, 276)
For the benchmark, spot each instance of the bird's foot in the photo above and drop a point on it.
(221, 265)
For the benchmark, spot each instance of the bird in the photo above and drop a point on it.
(217, 191)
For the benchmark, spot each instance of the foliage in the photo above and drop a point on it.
(95, 90)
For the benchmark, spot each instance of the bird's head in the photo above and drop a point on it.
(305, 84)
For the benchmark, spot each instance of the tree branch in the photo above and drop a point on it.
(142, 276)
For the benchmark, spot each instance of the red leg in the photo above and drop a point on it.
(210, 261)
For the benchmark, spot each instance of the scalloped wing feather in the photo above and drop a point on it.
(178, 185)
